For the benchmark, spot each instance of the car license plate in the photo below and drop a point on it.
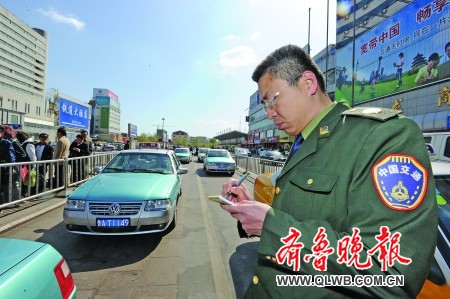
(115, 222)
(222, 168)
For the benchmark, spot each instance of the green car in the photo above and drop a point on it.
(31, 269)
(219, 160)
(136, 193)
(183, 154)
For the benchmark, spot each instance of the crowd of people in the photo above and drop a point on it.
(17, 146)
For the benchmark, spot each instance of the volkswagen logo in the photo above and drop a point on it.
(114, 209)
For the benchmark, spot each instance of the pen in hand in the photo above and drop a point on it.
(238, 183)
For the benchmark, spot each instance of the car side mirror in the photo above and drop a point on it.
(182, 171)
(97, 169)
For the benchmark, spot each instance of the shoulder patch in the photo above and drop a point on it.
(380, 114)
(401, 181)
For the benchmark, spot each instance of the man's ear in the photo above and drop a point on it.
(311, 82)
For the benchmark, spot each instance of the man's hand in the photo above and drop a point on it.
(251, 214)
(238, 193)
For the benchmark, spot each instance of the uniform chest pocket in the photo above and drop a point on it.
(313, 195)
(310, 179)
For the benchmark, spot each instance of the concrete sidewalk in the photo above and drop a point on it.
(28, 210)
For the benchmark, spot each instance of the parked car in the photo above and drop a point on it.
(242, 151)
(135, 193)
(259, 151)
(31, 269)
(108, 147)
(219, 160)
(201, 154)
(273, 156)
(183, 154)
(438, 145)
(437, 286)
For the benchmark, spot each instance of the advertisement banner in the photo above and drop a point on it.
(104, 118)
(132, 129)
(408, 50)
(73, 115)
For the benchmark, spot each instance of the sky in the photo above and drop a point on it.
(187, 61)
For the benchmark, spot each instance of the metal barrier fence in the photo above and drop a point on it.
(29, 180)
(257, 165)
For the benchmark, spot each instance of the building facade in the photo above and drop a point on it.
(23, 66)
(381, 45)
(106, 115)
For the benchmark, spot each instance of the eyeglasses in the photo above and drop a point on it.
(270, 103)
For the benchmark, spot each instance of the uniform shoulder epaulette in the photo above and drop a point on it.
(380, 114)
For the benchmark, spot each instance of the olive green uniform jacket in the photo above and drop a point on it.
(328, 183)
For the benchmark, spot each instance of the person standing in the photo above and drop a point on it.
(20, 155)
(7, 156)
(337, 216)
(44, 152)
(27, 144)
(78, 148)
(61, 152)
(399, 65)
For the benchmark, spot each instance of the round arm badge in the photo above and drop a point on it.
(401, 181)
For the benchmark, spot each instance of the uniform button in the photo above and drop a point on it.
(255, 279)
(310, 181)
(277, 190)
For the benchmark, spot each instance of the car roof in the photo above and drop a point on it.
(440, 168)
(147, 150)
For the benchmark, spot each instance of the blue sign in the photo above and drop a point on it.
(14, 126)
(448, 122)
(73, 115)
(133, 131)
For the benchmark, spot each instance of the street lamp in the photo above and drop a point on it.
(164, 139)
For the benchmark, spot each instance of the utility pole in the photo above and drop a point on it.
(309, 31)
(164, 139)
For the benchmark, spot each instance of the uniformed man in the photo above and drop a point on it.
(355, 197)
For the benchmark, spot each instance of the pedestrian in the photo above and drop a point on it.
(350, 207)
(61, 152)
(27, 144)
(20, 156)
(44, 152)
(78, 148)
(127, 145)
(88, 141)
(8, 174)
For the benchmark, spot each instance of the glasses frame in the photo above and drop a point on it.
(270, 103)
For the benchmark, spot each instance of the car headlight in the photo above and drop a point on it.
(154, 205)
(75, 205)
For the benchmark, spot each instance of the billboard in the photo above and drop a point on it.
(406, 51)
(98, 92)
(73, 115)
(132, 131)
(104, 118)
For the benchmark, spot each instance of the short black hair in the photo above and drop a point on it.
(288, 63)
(447, 45)
(434, 56)
(62, 130)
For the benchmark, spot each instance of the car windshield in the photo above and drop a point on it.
(202, 151)
(140, 162)
(443, 200)
(224, 154)
(181, 151)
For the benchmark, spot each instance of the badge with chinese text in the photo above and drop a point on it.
(401, 181)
